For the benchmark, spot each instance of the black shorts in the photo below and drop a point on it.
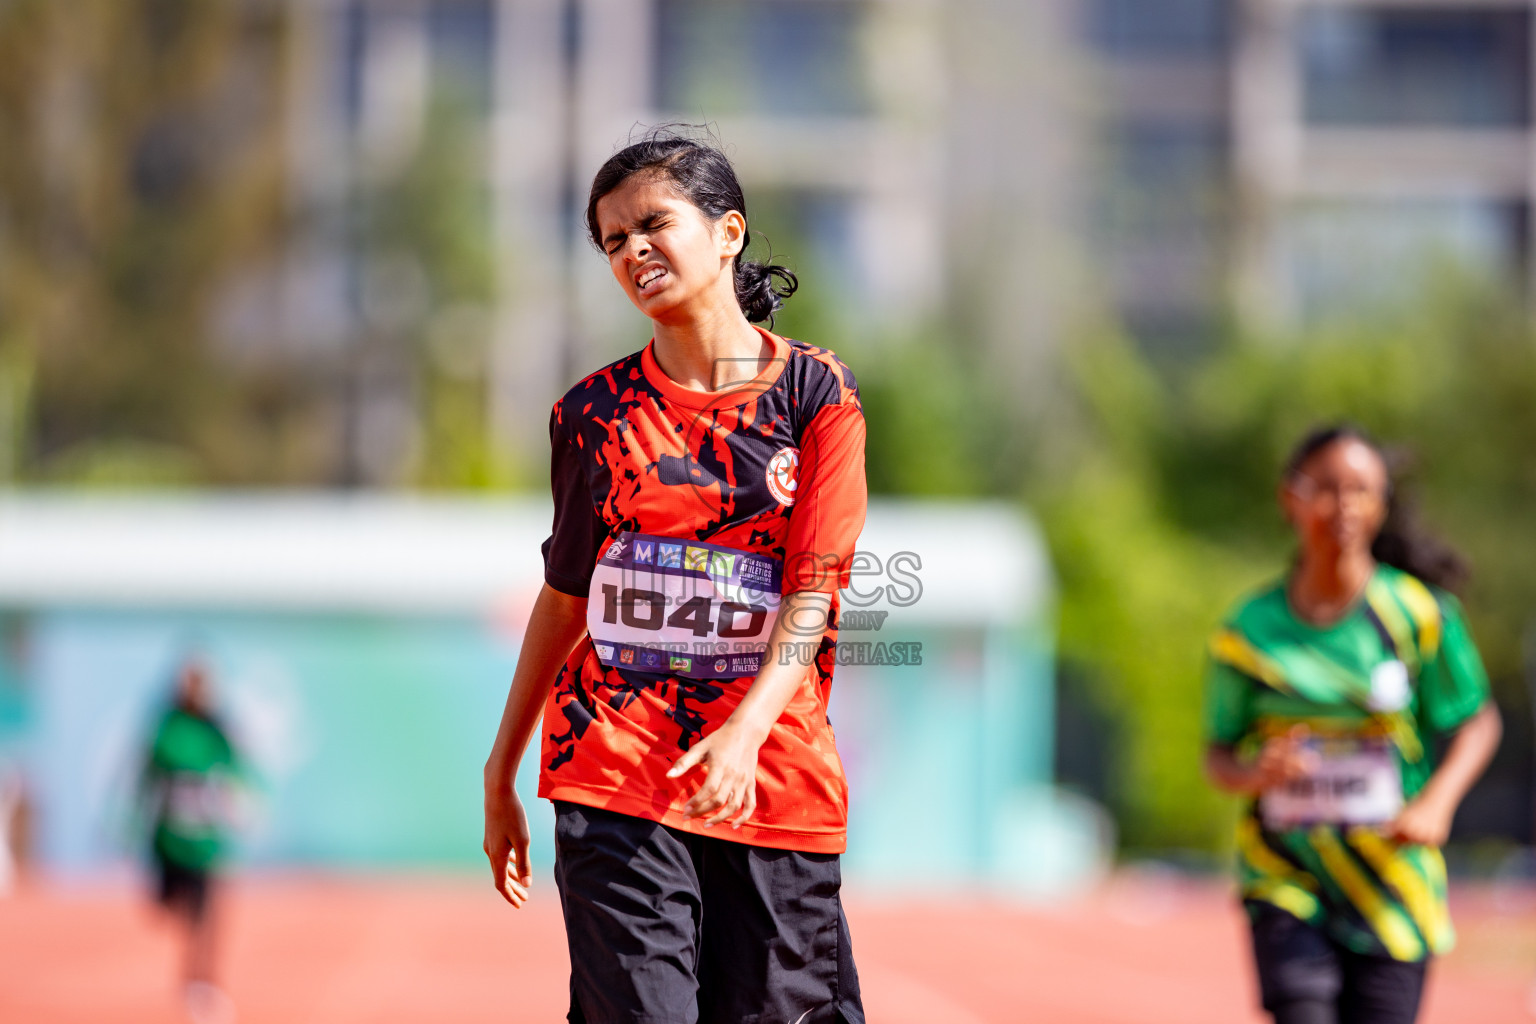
(667, 927)
(182, 889)
(1298, 963)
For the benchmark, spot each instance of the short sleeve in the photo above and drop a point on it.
(570, 553)
(226, 757)
(1453, 685)
(1228, 711)
(831, 501)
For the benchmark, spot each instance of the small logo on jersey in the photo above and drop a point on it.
(644, 552)
(1390, 690)
(650, 658)
(627, 656)
(721, 564)
(784, 475)
(669, 556)
(681, 664)
(696, 558)
(721, 664)
(615, 549)
(604, 651)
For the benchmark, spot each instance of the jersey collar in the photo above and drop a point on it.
(744, 392)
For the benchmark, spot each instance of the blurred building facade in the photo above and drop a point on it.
(1284, 159)
(1371, 136)
(1011, 168)
(909, 154)
(1160, 206)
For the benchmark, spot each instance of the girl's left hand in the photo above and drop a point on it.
(1424, 820)
(729, 754)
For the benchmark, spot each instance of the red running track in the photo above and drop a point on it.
(316, 950)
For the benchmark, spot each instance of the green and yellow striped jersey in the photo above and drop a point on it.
(1268, 671)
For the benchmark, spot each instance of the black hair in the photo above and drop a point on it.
(1403, 542)
(704, 176)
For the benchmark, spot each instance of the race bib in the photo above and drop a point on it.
(1357, 782)
(195, 802)
(681, 607)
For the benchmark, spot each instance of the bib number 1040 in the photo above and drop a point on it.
(647, 609)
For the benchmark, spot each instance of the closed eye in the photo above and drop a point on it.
(651, 222)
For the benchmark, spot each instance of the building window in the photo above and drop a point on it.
(1164, 175)
(1173, 28)
(1390, 66)
(463, 40)
(1158, 226)
(780, 57)
(457, 40)
(1358, 256)
(353, 37)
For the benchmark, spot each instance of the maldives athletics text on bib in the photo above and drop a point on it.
(682, 607)
(1357, 782)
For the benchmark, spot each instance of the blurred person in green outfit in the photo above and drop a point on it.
(187, 784)
(1327, 693)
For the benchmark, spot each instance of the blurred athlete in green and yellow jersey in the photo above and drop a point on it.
(1325, 695)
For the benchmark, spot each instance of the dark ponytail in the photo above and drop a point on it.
(760, 299)
(704, 176)
(1403, 542)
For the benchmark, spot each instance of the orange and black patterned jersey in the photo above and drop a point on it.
(752, 492)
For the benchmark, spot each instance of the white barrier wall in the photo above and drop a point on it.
(363, 646)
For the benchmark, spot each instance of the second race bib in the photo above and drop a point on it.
(196, 802)
(1357, 782)
(683, 608)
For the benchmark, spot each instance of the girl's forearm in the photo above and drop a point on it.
(1470, 750)
(555, 625)
(802, 620)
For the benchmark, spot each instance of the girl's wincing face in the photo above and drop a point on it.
(665, 253)
(1337, 499)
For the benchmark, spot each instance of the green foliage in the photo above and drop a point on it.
(143, 181)
(434, 220)
(141, 168)
(16, 370)
(1166, 513)
(1138, 593)
(1157, 492)
(933, 416)
(927, 448)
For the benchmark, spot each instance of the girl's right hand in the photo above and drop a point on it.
(506, 840)
(1284, 758)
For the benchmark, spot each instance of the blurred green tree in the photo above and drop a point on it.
(1156, 486)
(431, 222)
(1165, 513)
(141, 168)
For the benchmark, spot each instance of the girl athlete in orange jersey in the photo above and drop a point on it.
(708, 493)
